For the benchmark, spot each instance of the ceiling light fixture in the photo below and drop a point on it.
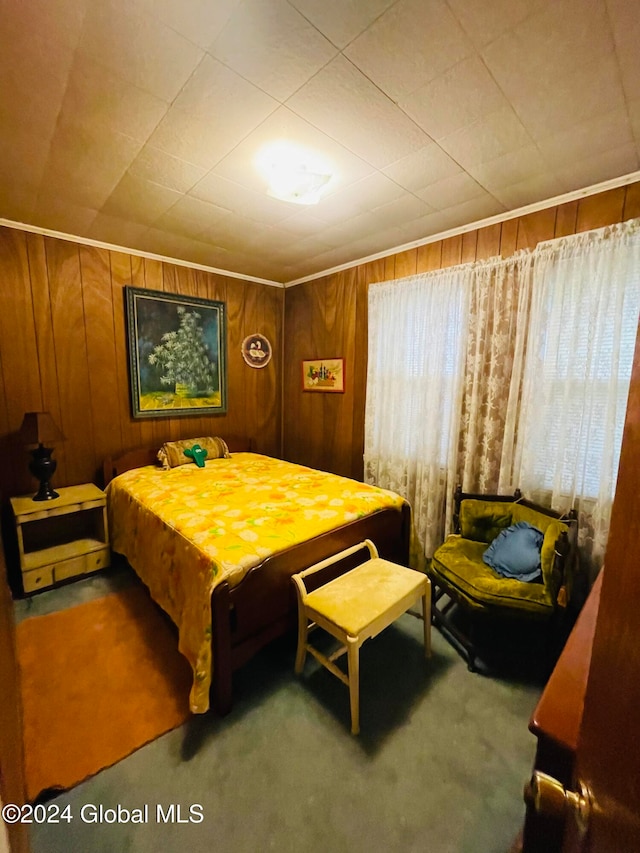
(293, 174)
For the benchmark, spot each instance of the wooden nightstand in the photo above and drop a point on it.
(62, 538)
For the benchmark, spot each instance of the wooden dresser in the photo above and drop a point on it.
(556, 722)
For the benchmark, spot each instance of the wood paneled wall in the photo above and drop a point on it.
(328, 318)
(63, 349)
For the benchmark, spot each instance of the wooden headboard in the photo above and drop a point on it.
(140, 456)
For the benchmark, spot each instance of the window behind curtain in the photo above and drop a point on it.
(581, 340)
(417, 330)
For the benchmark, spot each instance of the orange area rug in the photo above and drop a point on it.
(98, 681)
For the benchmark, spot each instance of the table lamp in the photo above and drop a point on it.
(39, 429)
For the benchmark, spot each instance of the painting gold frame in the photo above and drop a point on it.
(177, 354)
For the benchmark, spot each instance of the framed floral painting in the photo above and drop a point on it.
(323, 374)
(177, 354)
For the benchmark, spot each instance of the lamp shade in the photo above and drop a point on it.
(39, 428)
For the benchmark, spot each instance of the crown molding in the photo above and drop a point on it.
(611, 184)
(87, 241)
(574, 195)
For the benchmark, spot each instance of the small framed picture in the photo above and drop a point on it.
(323, 374)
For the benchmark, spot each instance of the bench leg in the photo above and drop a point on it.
(353, 656)
(426, 615)
(303, 630)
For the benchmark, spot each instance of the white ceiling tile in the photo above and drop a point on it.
(602, 167)
(470, 211)
(201, 141)
(190, 217)
(235, 232)
(273, 45)
(551, 44)
(488, 137)
(86, 162)
(419, 228)
(422, 167)
(17, 202)
(403, 209)
(58, 214)
(449, 191)
(139, 115)
(634, 117)
(144, 51)
(629, 67)
(409, 45)
(113, 229)
(365, 194)
(200, 21)
(33, 77)
(283, 124)
(165, 243)
(300, 225)
(351, 229)
(455, 99)
(341, 20)
(155, 165)
(530, 190)
(23, 156)
(245, 202)
(139, 200)
(597, 135)
(348, 107)
(484, 22)
(625, 21)
(299, 251)
(592, 89)
(218, 94)
(97, 96)
(55, 20)
(373, 244)
(510, 168)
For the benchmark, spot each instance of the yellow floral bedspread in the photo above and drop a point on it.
(187, 529)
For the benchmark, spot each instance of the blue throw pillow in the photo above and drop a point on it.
(515, 553)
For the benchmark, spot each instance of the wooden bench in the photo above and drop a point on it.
(356, 606)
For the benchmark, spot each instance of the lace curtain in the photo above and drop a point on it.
(417, 332)
(499, 308)
(566, 419)
(506, 373)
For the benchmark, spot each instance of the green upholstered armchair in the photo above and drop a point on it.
(459, 576)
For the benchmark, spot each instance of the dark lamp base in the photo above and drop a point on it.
(42, 466)
(45, 493)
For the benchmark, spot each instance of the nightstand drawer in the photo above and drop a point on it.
(37, 579)
(81, 565)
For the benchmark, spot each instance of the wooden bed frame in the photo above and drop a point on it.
(263, 605)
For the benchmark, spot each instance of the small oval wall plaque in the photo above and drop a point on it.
(256, 350)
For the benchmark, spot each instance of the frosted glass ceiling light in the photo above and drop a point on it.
(293, 175)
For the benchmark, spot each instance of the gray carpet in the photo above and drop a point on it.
(439, 766)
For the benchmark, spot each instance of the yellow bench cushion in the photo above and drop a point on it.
(356, 599)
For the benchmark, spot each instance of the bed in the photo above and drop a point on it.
(169, 525)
